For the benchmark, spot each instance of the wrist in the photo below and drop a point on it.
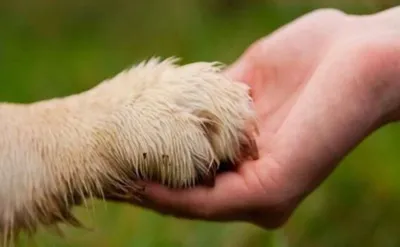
(379, 64)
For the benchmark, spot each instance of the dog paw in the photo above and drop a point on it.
(177, 124)
(157, 121)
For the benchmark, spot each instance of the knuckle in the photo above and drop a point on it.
(325, 14)
(390, 12)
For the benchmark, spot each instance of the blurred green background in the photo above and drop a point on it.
(55, 48)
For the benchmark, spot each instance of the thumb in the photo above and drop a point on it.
(207, 203)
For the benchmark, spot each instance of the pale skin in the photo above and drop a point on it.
(321, 84)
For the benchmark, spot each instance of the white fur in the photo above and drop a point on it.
(163, 121)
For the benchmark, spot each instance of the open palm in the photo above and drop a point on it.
(313, 84)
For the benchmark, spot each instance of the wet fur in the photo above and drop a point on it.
(155, 121)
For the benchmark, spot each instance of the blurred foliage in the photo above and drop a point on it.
(56, 48)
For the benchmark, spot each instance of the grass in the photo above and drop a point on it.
(50, 49)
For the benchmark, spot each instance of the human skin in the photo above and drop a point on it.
(321, 85)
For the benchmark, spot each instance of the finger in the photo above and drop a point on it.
(391, 14)
(217, 203)
(123, 193)
(236, 70)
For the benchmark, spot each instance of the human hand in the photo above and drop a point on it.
(321, 85)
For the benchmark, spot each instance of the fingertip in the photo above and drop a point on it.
(236, 70)
(179, 203)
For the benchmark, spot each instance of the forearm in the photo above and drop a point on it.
(47, 161)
